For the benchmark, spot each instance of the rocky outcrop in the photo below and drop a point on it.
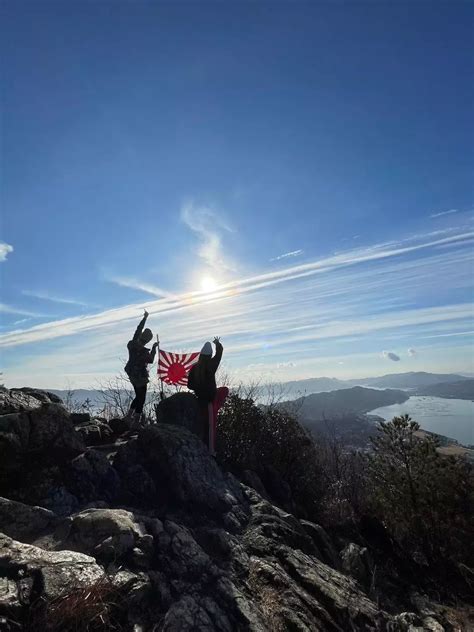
(25, 522)
(356, 562)
(32, 426)
(153, 532)
(33, 572)
(179, 468)
(181, 409)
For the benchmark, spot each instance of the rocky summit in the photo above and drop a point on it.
(105, 529)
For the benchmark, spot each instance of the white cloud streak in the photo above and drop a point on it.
(286, 255)
(46, 296)
(5, 250)
(19, 311)
(136, 284)
(450, 212)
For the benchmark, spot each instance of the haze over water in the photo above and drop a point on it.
(449, 417)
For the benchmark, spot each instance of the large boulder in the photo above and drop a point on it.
(181, 468)
(16, 400)
(109, 534)
(25, 522)
(90, 477)
(181, 409)
(20, 399)
(49, 574)
(45, 397)
(52, 431)
(42, 431)
(94, 432)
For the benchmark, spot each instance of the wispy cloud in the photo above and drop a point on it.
(391, 356)
(208, 226)
(5, 250)
(411, 352)
(451, 210)
(136, 284)
(286, 255)
(46, 296)
(10, 309)
(317, 296)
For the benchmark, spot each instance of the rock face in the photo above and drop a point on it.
(25, 521)
(46, 573)
(181, 409)
(33, 426)
(179, 467)
(356, 562)
(167, 540)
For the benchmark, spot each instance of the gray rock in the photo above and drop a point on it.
(406, 622)
(60, 501)
(179, 555)
(51, 430)
(90, 477)
(187, 615)
(42, 430)
(54, 573)
(25, 522)
(138, 487)
(252, 479)
(80, 418)
(430, 624)
(15, 400)
(95, 432)
(181, 409)
(45, 397)
(9, 596)
(181, 468)
(105, 533)
(324, 545)
(356, 562)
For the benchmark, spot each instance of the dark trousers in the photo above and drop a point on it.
(139, 401)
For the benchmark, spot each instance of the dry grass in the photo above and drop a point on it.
(90, 609)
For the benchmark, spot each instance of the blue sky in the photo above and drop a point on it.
(296, 177)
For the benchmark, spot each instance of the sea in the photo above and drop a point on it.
(452, 418)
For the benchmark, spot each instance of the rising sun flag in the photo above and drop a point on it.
(173, 368)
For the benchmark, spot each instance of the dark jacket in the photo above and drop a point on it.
(139, 357)
(202, 376)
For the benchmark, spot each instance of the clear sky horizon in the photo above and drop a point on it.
(294, 177)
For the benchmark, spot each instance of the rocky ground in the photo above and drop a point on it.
(102, 529)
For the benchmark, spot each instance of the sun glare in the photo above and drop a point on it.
(208, 284)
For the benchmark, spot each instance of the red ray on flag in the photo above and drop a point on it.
(173, 368)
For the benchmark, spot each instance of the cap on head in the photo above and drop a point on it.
(207, 349)
(146, 336)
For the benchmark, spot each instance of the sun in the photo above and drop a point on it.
(208, 284)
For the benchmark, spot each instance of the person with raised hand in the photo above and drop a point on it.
(139, 357)
(202, 380)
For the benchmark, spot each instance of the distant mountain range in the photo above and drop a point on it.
(409, 381)
(449, 390)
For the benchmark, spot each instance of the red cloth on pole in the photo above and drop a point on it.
(173, 368)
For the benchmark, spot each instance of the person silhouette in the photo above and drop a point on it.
(202, 380)
(139, 357)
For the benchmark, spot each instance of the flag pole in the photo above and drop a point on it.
(162, 395)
